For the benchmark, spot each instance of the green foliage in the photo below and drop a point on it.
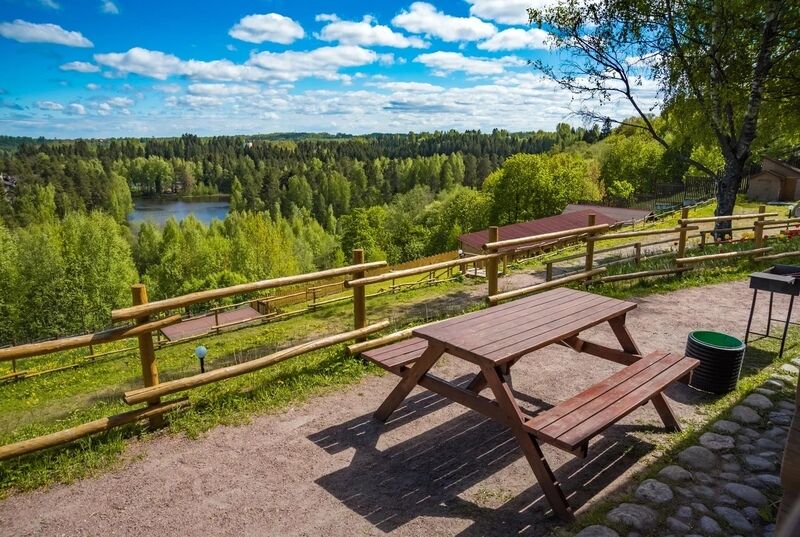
(68, 275)
(534, 186)
(636, 159)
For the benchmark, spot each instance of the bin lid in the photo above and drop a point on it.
(716, 339)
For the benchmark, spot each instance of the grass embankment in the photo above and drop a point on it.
(51, 402)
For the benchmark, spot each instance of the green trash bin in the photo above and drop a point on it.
(721, 358)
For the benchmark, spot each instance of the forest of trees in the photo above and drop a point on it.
(68, 255)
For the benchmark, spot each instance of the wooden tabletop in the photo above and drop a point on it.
(506, 332)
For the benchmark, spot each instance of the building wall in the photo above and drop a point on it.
(764, 187)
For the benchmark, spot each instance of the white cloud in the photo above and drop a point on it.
(327, 17)
(51, 4)
(81, 67)
(423, 18)
(506, 11)
(29, 32)
(108, 6)
(92, 86)
(120, 102)
(223, 90)
(517, 39)
(443, 63)
(49, 105)
(368, 34)
(168, 88)
(411, 86)
(287, 66)
(231, 47)
(323, 62)
(76, 109)
(271, 27)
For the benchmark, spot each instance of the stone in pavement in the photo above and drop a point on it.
(766, 391)
(746, 493)
(790, 368)
(733, 518)
(745, 415)
(716, 442)
(786, 405)
(710, 526)
(766, 443)
(675, 473)
(700, 508)
(758, 464)
(726, 427)
(684, 511)
(773, 383)
(780, 418)
(676, 525)
(597, 531)
(634, 515)
(654, 491)
(756, 400)
(697, 457)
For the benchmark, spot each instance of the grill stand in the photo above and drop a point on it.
(786, 322)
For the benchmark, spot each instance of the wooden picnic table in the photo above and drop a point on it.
(494, 339)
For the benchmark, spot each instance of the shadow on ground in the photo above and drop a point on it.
(428, 474)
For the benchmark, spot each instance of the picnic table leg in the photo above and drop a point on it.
(478, 382)
(496, 379)
(629, 345)
(409, 380)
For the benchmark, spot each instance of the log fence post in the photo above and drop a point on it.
(638, 254)
(491, 264)
(359, 295)
(548, 271)
(682, 235)
(758, 228)
(147, 353)
(591, 219)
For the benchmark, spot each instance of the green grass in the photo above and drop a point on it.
(51, 402)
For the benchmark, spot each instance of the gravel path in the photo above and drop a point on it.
(328, 468)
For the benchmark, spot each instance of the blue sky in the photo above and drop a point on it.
(102, 68)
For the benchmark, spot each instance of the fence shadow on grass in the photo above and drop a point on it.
(428, 474)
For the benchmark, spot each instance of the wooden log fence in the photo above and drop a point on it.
(150, 308)
(727, 255)
(67, 343)
(150, 393)
(93, 427)
(500, 297)
(142, 311)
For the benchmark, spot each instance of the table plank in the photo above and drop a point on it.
(471, 336)
(558, 331)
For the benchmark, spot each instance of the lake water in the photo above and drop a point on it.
(159, 211)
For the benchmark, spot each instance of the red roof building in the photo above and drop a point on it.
(473, 242)
(619, 214)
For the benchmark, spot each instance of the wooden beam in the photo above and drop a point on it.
(360, 282)
(491, 264)
(103, 424)
(642, 274)
(545, 236)
(706, 219)
(643, 233)
(359, 294)
(134, 312)
(726, 255)
(546, 285)
(106, 336)
(777, 256)
(133, 397)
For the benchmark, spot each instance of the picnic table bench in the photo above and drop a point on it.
(496, 338)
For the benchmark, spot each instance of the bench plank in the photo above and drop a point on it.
(393, 357)
(571, 424)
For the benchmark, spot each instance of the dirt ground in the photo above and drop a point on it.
(328, 468)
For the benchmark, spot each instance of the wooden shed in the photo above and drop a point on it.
(777, 181)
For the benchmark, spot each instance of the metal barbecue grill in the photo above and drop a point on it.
(781, 279)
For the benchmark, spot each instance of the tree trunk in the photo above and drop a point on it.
(727, 188)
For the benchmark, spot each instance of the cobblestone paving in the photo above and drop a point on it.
(723, 485)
